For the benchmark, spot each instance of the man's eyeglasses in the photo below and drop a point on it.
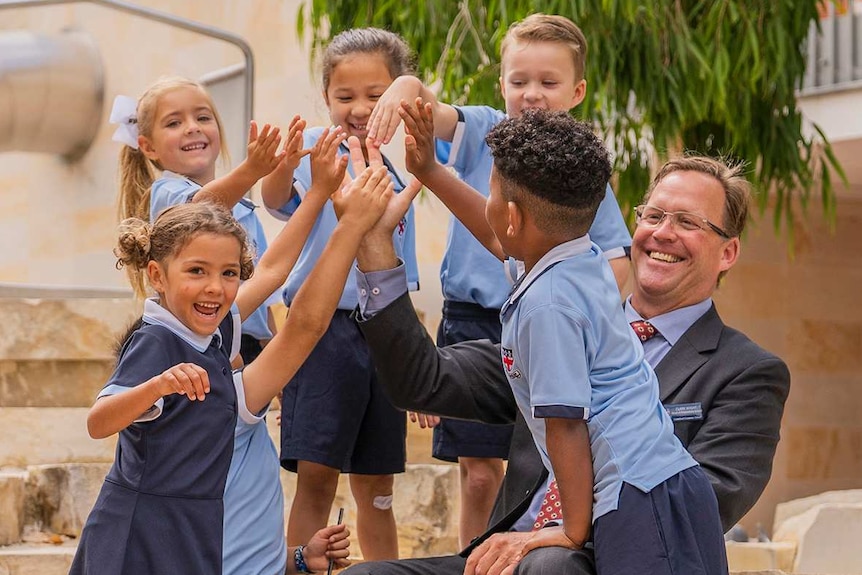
(652, 217)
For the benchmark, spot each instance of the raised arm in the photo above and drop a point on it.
(467, 204)
(262, 158)
(360, 206)
(327, 173)
(277, 188)
(385, 117)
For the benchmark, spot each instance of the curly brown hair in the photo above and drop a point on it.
(554, 165)
(140, 242)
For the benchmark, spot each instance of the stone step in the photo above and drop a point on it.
(48, 435)
(36, 559)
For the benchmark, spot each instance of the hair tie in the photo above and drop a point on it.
(124, 113)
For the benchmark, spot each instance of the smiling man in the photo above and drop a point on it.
(724, 393)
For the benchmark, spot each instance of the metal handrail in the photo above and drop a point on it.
(171, 20)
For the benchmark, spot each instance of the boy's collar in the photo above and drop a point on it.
(155, 314)
(555, 255)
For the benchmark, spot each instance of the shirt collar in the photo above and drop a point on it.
(154, 313)
(555, 255)
(673, 324)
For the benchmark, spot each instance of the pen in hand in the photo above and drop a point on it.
(340, 519)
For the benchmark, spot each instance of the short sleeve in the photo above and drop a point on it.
(609, 229)
(142, 358)
(556, 362)
(468, 144)
(167, 192)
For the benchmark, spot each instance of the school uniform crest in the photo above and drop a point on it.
(509, 363)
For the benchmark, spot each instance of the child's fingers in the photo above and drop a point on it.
(264, 132)
(357, 159)
(252, 132)
(197, 379)
(375, 156)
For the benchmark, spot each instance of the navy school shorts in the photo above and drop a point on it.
(335, 413)
(454, 438)
(673, 529)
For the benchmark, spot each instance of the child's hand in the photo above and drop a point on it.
(293, 151)
(419, 156)
(327, 167)
(424, 420)
(363, 201)
(262, 157)
(384, 118)
(329, 543)
(184, 379)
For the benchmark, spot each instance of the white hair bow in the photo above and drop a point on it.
(124, 114)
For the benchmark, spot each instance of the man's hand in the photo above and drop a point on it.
(498, 555)
(329, 543)
(399, 203)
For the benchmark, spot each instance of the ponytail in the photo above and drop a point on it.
(136, 180)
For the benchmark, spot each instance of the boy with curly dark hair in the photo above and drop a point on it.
(622, 480)
(577, 371)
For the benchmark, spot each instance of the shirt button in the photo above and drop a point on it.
(375, 291)
(224, 371)
(363, 293)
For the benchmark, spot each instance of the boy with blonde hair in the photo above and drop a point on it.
(542, 66)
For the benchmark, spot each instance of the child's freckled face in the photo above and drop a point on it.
(185, 137)
(539, 75)
(356, 82)
(199, 283)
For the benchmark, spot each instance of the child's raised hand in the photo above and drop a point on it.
(384, 118)
(263, 156)
(329, 543)
(293, 151)
(327, 167)
(186, 379)
(419, 156)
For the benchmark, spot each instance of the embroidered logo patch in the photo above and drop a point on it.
(509, 363)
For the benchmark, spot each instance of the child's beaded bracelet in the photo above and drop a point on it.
(299, 561)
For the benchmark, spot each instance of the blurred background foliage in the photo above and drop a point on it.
(663, 77)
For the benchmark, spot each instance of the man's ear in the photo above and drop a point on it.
(729, 254)
(156, 275)
(516, 219)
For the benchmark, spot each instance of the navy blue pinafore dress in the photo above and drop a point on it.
(160, 510)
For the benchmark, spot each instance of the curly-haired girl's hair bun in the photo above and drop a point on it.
(133, 244)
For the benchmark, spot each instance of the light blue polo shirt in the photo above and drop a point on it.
(568, 352)
(172, 189)
(253, 499)
(469, 273)
(404, 236)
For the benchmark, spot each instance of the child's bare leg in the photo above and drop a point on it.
(315, 492)
(375, 521)
(481, 478)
